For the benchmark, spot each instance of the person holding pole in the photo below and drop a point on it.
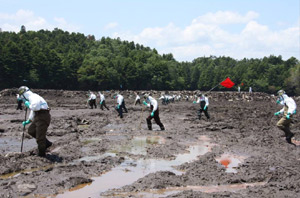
(203, 100)
(39, 118)
(23, 130)
(154, 112)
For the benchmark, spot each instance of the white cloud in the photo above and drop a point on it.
(13, 22)
(206, 35)
(225, 17)
(210, 35)
(111, 26)
(64, 25)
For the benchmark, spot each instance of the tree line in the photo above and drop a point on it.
(61, 60)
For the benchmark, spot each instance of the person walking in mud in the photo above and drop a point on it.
(39, 118)
(153, 104)
(120, 105)
(288, 110)
(92, 100)
(203, 100)
(137, 99)
(19, 101)
(102, 101)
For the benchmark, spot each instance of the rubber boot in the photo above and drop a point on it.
(149, 124)
(199, 114)
(42, 153)
(48, 143)
(289, 137)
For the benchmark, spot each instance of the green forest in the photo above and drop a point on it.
(62, 60)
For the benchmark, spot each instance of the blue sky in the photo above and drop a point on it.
(186, 28)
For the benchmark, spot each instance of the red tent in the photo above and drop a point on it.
(227, 83)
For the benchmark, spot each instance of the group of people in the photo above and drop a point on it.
(92, 100)
(149, 102)
(39, 117)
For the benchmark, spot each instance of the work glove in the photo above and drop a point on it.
(101, 103)
(27, 104)
(145, 103)
(294, 112)
(288, 116)
(118, 107)
(26, 122)
(194, 102)
(152, 113)
(277, 113)
(205, 107)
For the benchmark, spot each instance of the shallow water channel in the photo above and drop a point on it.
(131, 170)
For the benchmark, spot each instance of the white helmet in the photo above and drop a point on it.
(146, 95)
(280, 92)
(22, 90)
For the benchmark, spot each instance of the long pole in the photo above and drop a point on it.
(23, 130)
(213, 87)
(140, 127)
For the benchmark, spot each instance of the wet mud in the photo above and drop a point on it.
(238, 152)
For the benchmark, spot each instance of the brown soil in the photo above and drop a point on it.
(240, 125)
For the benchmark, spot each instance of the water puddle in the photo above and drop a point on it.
(156, 193)
(17, 173)
(139, 144)
(131, 170)
(12, 144)
(230, 162)
(86, 141)
(114, 129)
(93, 158)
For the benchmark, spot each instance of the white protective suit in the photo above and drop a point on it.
(137, 97)
(102, 98)
(36, 103)
(120, 99)
(92, 96)
(203, 98)
(289, 102)
(152, 102)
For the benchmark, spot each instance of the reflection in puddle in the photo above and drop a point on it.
(139, 144)
(93, 158)
(79, 186)
(230, 162)
(131, 170)
(155, 193)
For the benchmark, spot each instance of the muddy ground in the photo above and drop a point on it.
(242, 126)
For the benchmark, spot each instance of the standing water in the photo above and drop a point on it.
(131, 170)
